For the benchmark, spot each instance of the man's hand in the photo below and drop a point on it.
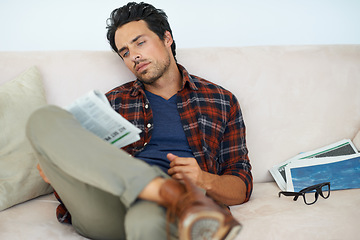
(42, 174)
(188, 166)
(227, 189)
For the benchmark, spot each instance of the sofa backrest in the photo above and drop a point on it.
(293, 98)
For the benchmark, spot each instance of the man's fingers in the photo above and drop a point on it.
(171, 157)
(174, 170)
(177, 176)
(178, 161)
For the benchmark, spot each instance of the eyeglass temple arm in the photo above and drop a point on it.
(295, 194)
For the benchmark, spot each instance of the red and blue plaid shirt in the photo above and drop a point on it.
(212, 122)
(211, 118)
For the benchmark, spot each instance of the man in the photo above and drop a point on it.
(192, 143)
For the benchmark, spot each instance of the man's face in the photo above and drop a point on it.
(143, 52)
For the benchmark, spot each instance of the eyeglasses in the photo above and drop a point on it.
(311, 194)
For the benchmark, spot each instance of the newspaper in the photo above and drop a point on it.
(95, 114)
(341, 148)
(342, 172)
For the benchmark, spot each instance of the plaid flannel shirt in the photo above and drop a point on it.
(212, 122)
(211, 118)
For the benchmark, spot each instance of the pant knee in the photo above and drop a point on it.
(147, 220)
(37, 120)
(42, 122)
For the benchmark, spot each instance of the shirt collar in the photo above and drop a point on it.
(138, 86)
(187, 78)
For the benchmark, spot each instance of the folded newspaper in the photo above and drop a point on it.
(299, 172)
(95, 114)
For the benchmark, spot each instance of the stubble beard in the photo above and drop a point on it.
(151, 75)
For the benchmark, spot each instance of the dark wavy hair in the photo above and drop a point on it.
(156, 20)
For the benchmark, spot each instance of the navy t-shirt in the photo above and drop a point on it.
(168, 134)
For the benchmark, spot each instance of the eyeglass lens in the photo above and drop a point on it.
(311, 197)
(325, 189)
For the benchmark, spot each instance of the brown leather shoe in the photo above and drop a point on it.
(199, 216)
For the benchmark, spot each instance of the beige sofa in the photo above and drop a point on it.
(293, 98)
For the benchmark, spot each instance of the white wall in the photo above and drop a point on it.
(80, 24)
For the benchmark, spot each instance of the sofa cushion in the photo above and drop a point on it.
(19, 178)
(356, 141)
(268, 216)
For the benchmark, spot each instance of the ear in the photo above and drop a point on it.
(168, 40)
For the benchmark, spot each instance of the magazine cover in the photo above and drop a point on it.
(342, 172)
(340, 148)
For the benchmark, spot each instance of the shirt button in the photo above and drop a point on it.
(148, 125)
(145, 144)
(146, 106)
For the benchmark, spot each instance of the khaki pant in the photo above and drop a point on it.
(97, 182)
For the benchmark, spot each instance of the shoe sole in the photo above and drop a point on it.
(234, 231)
(208, 225)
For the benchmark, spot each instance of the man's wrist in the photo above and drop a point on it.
(207, 181)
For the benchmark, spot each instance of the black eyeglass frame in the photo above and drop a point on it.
(302, 192)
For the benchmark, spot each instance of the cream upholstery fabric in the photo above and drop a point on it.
(356, 140)
(19, 178)
(293, 98)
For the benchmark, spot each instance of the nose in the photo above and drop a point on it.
(135, 60)
(136, 57)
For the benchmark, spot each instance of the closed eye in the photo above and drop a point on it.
(125, 54)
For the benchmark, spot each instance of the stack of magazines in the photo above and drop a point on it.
(338, 163)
